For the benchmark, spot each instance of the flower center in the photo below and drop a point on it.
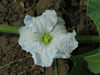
(46, 38)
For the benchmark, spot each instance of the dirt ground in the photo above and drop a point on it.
(14, 60)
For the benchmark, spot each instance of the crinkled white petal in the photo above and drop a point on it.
(28, 20)
(27, 38)
(58, 29)
(60, 21)
(45, 57)
(46, 22)
(65, 43)
(43, 23)
(52, 15)
(33, 24)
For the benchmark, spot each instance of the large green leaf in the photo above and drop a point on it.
(78, 69)
(87, 63)
(80, 66)
(93, 11)
(93, 60)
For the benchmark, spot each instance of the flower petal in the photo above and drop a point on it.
(57, 30)
(65, 43)
(33, 24)
(43, 23)
(45, 57)
(41, 60)
(52, 15)
(48, 19)
(27, 38)
(28, 20)
(47, 25)
(60, 21)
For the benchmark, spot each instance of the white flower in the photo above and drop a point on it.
(45, 37)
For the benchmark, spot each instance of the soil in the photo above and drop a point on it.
(14, 60)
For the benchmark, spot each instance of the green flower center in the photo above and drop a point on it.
(46, 38)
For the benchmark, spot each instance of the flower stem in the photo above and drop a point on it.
(56, 66)
(9, 29)
(88, 39)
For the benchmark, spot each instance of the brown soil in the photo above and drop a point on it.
(14, 60)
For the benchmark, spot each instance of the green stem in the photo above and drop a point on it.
(88, 39)
(56, 66)
(9, 29)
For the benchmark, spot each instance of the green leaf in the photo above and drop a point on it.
(91, 52)
(93, 60)
(91, 66)
(78, 67)
(93, 11)
(9, 29)
(76, 70)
